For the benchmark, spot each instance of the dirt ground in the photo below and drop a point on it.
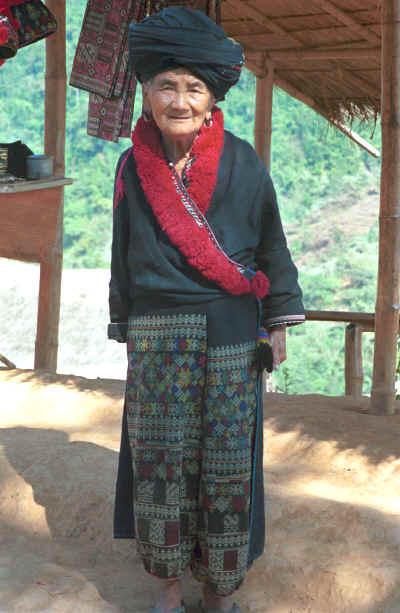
(332, 477)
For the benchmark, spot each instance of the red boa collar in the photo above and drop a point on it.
(157, 183)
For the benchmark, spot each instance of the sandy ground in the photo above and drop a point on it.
(332, 476)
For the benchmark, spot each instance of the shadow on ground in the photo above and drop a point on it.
(332, 501)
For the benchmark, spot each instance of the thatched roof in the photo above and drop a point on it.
(324, 52)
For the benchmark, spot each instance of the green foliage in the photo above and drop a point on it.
(314, 168)
(315, 360)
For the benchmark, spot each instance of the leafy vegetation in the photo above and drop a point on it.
(321, 177)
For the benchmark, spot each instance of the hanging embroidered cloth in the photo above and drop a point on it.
(101, 62)
(101, 66)
(23, 22)
(110, 118)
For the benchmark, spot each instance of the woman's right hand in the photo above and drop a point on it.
(277, 335)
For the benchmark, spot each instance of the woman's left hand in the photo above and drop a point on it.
(277, 335)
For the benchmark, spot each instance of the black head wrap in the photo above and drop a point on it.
(181, 37)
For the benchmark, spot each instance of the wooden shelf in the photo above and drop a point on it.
(31, 185)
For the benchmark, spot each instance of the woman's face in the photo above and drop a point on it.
(179, 102)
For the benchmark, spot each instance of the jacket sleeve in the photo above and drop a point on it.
(119, 294)
(283, 304)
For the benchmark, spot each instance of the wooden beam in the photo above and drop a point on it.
(293, 91)
(349, 21)
(356, 138)
(255, 68)
(244, 9)
(388, 293)
(299, 55)
(248, 11)
(362, 84)
(351, 78)
(263, 116)
(366, 319)
(8, 364)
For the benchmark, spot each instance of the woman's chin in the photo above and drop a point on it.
(180, 130)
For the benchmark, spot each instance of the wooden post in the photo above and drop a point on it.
(56, 84)
(46, 347)
(263, 116)
(353, 361)
(387, 302)
(54, 144)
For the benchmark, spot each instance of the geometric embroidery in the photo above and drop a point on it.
(191, 422)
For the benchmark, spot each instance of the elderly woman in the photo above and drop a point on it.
(199, 262)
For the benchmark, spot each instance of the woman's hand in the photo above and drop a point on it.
(277, 335)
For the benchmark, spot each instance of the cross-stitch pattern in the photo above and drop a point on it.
(191, 418)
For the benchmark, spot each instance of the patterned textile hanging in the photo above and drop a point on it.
(23, 22)
(101, 66)
(101, 60)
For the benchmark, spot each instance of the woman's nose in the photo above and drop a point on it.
(180, 101)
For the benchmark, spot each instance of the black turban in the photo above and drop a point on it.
(181, 37)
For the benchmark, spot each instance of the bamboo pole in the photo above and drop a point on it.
(353, 361)
(387, 302)
(263, 116)
(366, 320)
(46, 346)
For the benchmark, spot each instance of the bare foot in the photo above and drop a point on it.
(212, 601)
(170, 595)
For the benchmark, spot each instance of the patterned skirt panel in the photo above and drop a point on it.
(191, 420)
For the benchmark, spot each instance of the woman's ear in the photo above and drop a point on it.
(211, 104)
(146, 106)
(145, 96)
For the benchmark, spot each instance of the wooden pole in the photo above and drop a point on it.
(387, 302)
(56, 84)
(46, 347)
(353, 361)
(54, 143)
(263, 116)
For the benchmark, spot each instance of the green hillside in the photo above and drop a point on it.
(327, 189)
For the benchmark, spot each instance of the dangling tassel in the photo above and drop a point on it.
(264, 354)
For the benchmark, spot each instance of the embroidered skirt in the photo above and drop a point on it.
(191, 426)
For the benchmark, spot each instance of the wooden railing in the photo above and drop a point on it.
(357, 323)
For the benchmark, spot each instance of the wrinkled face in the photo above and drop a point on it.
(179, 102)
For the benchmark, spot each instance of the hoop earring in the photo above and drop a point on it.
(208, 122)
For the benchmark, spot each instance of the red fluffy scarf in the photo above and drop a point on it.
(156, 178)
